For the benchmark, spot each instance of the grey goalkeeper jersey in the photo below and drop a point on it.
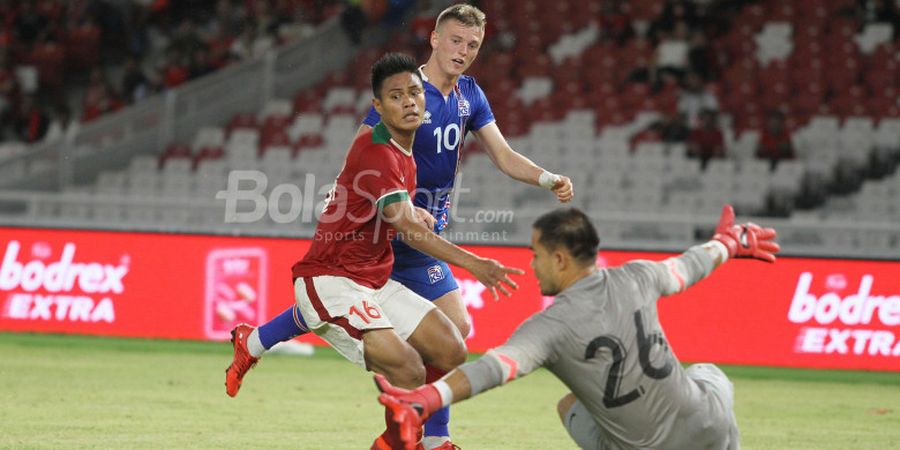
(603, 339)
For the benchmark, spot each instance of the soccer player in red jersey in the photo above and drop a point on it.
(343, 287)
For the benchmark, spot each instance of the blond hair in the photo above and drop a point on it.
(467, 15)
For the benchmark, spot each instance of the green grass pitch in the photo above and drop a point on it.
(89, 392)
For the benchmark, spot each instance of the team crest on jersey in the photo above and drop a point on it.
(435, 274)
(463, 107)
(426, 119)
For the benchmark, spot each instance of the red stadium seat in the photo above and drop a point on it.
(241, 120)
(207, 153)
(878, 80)
(274, 139)
(782, 12)
(775, 72)
(307, 141)
(175, 151)
(307, 101)
(276, 123)
(800, 78)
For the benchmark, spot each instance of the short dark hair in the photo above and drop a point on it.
(467, 15)
(389, 65)
(571, 229)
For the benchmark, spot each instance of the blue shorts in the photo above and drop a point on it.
(431, 280)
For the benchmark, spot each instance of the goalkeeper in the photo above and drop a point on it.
(603, 339)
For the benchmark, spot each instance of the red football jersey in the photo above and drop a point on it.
(352, 240)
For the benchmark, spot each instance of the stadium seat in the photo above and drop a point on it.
(340, 99)
(113, 182)
(178, 164)
(242, 157)
(276, 108)
(107, 213)
(77, 210)
(207, 153)
(239, 121)
(243, 137)
(208, 137)
(174, 216)
(143, 184)
(176, 186)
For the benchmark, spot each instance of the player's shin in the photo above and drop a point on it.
(437, 426)
(283, 327)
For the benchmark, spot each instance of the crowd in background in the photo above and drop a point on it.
(67, 62)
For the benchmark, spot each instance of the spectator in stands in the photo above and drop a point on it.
(354, 20)
(695, 98)
(91, 32)
(227, 21)
(701, 57)
(674, 12)
(706, 141)
(175, 71)
(672, 51)
(268, 20)
(775, 142)
(138, 31)
(100, 98)
(135, 84)
(674, 128)
(31, 122)
(294, 22)
(62, 127)
(251, 43)
(200, 64)
(29, 23)
(10, 91)
(615, 24)
(873, 11)
(220, 50)
(96, 89)
(186, 40)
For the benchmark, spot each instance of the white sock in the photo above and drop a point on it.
(444, 391)
(431, 442)
(254, 345)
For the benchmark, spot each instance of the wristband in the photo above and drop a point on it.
(719, 249)
(547, 180)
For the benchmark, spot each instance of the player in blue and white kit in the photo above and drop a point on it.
(455, 105)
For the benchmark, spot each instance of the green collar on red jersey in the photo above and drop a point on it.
(380, 134)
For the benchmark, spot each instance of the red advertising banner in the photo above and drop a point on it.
(816, 313)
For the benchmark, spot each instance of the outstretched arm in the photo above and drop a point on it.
(519, 167)
(414, 231)
(729, 241)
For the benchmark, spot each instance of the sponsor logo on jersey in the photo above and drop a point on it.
(426, 119)
(435, 274)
